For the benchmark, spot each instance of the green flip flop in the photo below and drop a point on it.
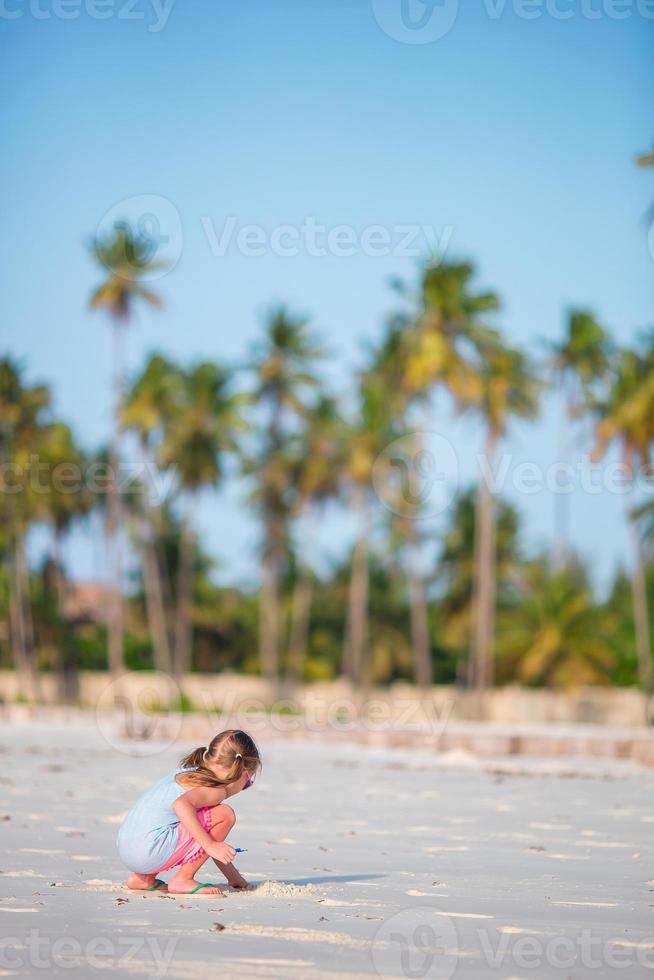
(205, 884)
(158, 884)
(156, 887)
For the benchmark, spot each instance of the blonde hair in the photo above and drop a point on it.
(232, 750)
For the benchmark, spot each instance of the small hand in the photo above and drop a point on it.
(238, 881)
(222, 852)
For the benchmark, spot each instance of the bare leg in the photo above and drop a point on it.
(183, 881)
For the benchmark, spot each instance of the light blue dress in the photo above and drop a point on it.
(148, 836)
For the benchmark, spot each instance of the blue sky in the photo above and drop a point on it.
(512, 137)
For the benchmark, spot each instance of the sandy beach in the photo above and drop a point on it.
(364, 863)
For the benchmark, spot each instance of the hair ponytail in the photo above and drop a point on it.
(194, 758)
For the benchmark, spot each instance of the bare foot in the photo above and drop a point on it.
(142, 882)
(184, 886)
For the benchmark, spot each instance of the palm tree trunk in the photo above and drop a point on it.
(301, 617)
(166, 587)
(562, 500)
(114, 512)
(356, 630)
(27, 616)
(641, 612)
(485, 585)
(60, 580)
(23, 663)
(422, 667)
(67, 668)
(155, 606)
(184, 624)
(419, 619)
(269, 618)
(152, 580)
(301, 608)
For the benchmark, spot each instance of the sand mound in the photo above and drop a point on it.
(283, 889)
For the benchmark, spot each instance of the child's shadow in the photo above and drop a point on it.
(326, 879)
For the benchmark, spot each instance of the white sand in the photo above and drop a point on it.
(364, 863)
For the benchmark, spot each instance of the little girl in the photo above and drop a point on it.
(182, 820)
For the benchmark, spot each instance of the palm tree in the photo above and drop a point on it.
(455, 576)
(369, 434)
(619, 609)
(316, 465)
(150, 409)
(23, 417)
(447, 315)
(452, 328)
(433, 347)
(558, 636)
(626, 417)
(127, 259)
(579, 363)
(400, 343)
(63, 499)
(64, 502)
(582, 360)
(201, 435)
(282, 364)
(508, 389)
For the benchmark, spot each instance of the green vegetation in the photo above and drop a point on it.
(482, 611)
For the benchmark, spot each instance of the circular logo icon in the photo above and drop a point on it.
(416, 476)
(136, 712)
(416, 21)
(417, 942)
(152, 237)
